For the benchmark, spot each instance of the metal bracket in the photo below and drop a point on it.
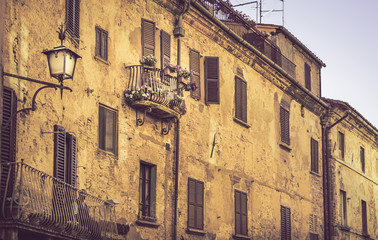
(165, 130)
(140, 121)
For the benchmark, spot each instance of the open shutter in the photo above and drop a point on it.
(191, 203)
(288, 224)
(73, 17)
(77, 19)
(314, 156)
(243, 212)
(237, 213)
(244, 100)
(364, 218)
(194, 58)
(240, 99)
(59, 153)
(212, 80)
(199, 203)
(165, 41)
(8, 138)
(285, 126)
(148, 38)
(71, 159)
(308, 76)
(153, 192)
(98, 42)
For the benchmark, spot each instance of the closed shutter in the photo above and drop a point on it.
(212, 80)
(165, 40)
(364, 218)
(195, 204)
(73, 18)
(240, 99)
(342, 144)
(104, 45)
(308, 76)
(362, 157)
(194, 58)
(199, 203)
(285, 223)
(8, 138)
(241, 217)
(285, 125)
(148, 38)
(314, 156)
(98, 42)
(59, 153)
(71, 159)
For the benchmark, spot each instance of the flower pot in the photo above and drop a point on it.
(183, 80)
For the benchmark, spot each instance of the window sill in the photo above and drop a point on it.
(107, 153)
(147, 223)
(241, 237)
(285, 146)
(102, 60)
(315, 173)
(195, 231)
(241, 122)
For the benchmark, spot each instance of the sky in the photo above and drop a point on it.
(343, 34)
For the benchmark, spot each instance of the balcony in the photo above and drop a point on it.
(40, 204)
(245, 28)
(155, 92)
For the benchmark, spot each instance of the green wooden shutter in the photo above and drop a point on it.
(308, 76)
(148, 37)
(60, 153)
(212, 80)
(165, 42)
(194, 58)
(8, 139)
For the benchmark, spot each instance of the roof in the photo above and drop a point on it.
(346, 106)
(288, 34)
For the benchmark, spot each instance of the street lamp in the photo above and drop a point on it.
(62, 63)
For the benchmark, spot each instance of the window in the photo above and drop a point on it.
(364, 218)
(341, 144)
(314, 236)
(195, 204)
(240, 99)
(212, 80)
(194, 59)
(285, 223)
(165, 41)
(314, 156)
(241, 217)
(108, 129)
(65, 145)
(343, 208)
(73, 19)
(285, 126)
(313, 227)
(362, 157)
(147, 192)
(308, 76)
(8, 137)
(148, 38)
(101, 43)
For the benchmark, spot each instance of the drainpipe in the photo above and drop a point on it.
(327, 176)
(178, 32)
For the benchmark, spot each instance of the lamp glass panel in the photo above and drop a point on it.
(70, 65)
(56, 62)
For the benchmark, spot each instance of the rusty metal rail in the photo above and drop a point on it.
(39, 200)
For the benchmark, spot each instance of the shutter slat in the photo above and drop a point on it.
(212, 79)
(148, 37)
(194, 59)
(59, 152)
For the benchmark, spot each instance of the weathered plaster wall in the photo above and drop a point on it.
(348, 176)
(247, 159)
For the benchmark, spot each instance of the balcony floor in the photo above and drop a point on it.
(155, 109)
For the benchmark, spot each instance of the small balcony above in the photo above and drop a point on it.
(155, 92)
(41, 205)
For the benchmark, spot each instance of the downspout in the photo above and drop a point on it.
(327, 176)
(178, 32)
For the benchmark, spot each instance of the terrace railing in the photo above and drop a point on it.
(245, 28)
(148, 85)
(42, 202)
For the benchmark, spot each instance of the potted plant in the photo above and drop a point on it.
(169, 68)
(183, 74)
(148, 61)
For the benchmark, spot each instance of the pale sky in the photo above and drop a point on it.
(343, 34)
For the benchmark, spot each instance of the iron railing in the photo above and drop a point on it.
(246, 29)
(152, 84)
(34, 198)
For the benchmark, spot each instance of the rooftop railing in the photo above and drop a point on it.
(42, 202)
(245, 28)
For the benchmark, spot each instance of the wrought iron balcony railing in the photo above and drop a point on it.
(43, 203)
(153, 90)
(245, 28)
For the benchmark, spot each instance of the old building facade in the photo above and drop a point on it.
(352, 154)
(235, 151)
